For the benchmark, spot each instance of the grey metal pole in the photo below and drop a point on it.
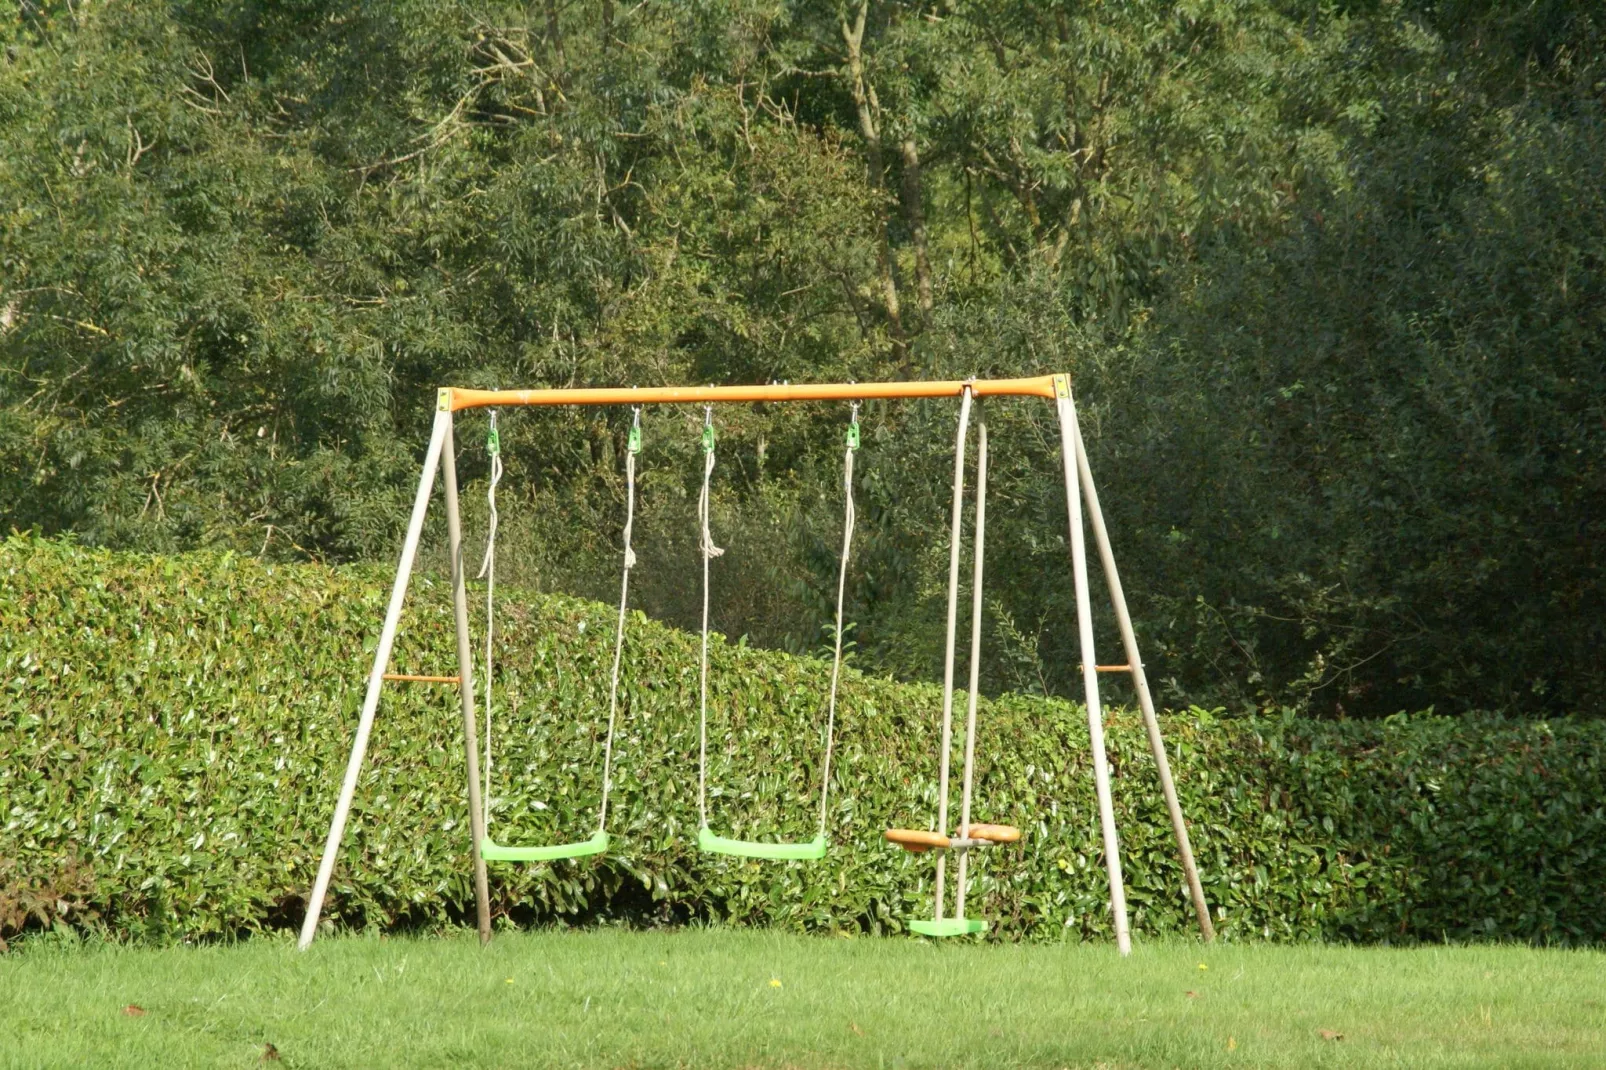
(376, 680)
(465, 686)
(1140, 681)
(956, 534)
(1090, 682)
(977, 554)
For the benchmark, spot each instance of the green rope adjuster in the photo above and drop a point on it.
(853, 429)
(708, 438)
(493, 440)
(634, 445)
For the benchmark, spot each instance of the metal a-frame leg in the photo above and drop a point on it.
(465, 687)
(1090, 682)
(439, 443)
(1140, 682)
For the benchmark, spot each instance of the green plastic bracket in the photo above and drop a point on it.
(635, 440)
(708, 438)
(492, 851)
(948, 927)
(853, 435)
(811, 851)
(493, 443)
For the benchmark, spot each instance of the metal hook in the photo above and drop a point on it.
(708, 416)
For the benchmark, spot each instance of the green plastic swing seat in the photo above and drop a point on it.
(948, 926)
(492, 851)
(813, 850)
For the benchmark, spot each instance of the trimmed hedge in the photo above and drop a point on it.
(173, 731)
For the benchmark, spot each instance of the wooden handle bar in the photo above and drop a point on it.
(452, 398)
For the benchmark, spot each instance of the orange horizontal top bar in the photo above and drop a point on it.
(1041, 386)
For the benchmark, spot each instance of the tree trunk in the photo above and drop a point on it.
(607, 24)
(865, 101)
(554, 34)
(916, 216)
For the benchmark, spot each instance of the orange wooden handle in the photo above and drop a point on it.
(916, 840)
(995, 833)
(454, 398)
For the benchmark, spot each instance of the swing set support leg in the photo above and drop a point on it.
(1069, 436)
(465, 675)
(1140, 682)
(376, 679)
(440, 447)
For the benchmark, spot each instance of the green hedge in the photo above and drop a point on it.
(173, 731)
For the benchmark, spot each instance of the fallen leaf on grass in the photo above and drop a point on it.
(856, 1030)
(1232, 1043)
(134, 1010)
(1191, 994)
(269, 1053)
(1330, 1034)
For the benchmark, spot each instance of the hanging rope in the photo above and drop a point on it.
(709, 551)
(955, 537)
(841, 592)
(631, 450)
(978, 555)
(493, 450)
(488, 573)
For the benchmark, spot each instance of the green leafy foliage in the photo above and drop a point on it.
(1327, 278)
(175, 730)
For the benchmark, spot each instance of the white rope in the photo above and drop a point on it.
(957, 533)
(841, 592)
(493, 446)
(978, 554)
(709, 552)
(619, 633)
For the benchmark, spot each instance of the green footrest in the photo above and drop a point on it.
(719, 845)
(492, 851)
(948, 927)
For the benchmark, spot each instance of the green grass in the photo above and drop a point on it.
(721, 998)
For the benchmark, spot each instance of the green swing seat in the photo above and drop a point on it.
(492, 851)
(948, 926)
(811, 851)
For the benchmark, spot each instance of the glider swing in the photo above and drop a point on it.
(707, 840)
(440, 459)
(969, 835)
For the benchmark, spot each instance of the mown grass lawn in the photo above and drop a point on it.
(738, 999)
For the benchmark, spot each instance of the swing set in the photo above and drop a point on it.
(966, 837)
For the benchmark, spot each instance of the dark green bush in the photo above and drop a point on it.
(174, 730)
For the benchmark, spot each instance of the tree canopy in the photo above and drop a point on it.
(1328, 279)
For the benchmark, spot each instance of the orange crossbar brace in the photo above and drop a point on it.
(453, 398)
